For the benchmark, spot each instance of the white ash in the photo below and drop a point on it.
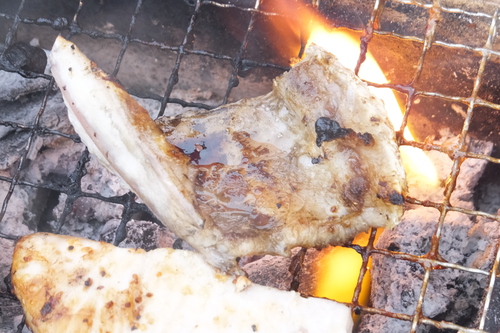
(99, 180)
(14, 86)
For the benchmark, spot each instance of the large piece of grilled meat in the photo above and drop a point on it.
(314, 162)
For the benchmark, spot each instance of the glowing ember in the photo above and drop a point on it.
(339, 272)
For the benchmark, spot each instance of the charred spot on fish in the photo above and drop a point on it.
(88, 282)
(46, 309)
(174, 122)
(278, 205)
(354, 190)
(72, 46)
(396, 198)
(262, 221)
(316, 160)
(367, 138)
(70, 69)
(328, 129)
(94, 68)
(374, 119)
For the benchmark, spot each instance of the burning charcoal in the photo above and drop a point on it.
(273, 271)
(22, 56)
(139, 235)
(452, 295)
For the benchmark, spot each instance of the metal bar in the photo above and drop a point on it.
(174, 76)
(233, 79)
(126, 40)
(491, 284)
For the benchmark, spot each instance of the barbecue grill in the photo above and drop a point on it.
(442, 58)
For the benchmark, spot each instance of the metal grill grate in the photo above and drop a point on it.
(374, 24)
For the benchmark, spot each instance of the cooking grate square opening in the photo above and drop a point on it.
(451, 72)
(9, 8)
(43, 12)
(155, 66)
(429, 114)
(485, 123)
(162, 22)
(26, 31)
(209, 85)
(220, 30)
(490, 79)
(455, 296)
(104, 56)
(344, 14)
(105, 18)
(461, 28)
(395, 18)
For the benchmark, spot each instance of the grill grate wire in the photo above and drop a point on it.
(429, 261)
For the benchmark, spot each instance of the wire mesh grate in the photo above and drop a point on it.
(372, 21)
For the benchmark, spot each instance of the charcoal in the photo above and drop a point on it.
(452, 295)
(25, 57)
(139, 234)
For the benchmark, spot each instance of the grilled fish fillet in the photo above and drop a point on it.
(312, 163)
(69, 284)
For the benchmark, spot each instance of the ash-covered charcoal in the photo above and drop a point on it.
(470, 172)
(452, 295)
(139, 235)
(23, 56)
(274, 271)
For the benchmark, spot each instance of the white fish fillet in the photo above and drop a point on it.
(69, 284)
(312, 163)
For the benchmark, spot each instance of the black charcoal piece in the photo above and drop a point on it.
(22, 56)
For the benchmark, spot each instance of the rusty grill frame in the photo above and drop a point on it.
(429, 261)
